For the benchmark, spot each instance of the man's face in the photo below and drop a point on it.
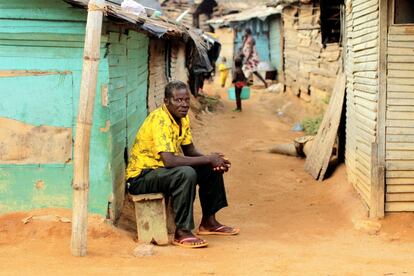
(179, 104)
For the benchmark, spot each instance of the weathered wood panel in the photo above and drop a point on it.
(317, 161)
(400, 120)
(362, 63)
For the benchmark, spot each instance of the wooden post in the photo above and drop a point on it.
(379, 161)
(83, 127)
(377, 197)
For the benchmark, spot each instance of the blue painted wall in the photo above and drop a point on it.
(275, 26)
(267, 36)
(260, 32)
(30, 42)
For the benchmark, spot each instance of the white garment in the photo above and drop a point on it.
(133, 7)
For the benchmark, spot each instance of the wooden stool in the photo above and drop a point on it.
(153, 223)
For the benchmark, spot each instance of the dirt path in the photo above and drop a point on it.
(290, 224)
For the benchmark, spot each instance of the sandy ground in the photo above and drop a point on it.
(290, 224)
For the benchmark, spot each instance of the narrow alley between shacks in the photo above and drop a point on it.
(290, 223)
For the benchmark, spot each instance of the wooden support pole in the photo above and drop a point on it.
(377, 197)
(83, 127)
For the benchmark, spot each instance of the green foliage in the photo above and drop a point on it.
(311, 125)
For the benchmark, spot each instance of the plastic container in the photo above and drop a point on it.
(245, 94)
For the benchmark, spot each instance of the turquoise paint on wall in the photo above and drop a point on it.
(275, 42)
(39, 100)
(18, 187)
(260, 34)
(54, 51)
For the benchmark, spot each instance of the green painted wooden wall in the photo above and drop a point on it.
(128, 78)
(48, 35)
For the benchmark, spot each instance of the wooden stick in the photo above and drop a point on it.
(83, 127)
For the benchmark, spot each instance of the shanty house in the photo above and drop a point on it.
(379, 55)
(41, 55)
(265, 23)
(311, 48)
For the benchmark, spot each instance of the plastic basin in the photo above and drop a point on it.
(245, 94)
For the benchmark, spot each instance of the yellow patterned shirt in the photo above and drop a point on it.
(159, 133)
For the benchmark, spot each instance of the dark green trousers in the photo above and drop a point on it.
(180, 184)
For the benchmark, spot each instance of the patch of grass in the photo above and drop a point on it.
(209, 102)
(311, 125)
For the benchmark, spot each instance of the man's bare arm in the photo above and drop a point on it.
(191, 150)
(171, 160)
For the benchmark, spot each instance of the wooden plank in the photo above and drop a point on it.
(403, 102)
(377, 185)
(366, 112)
(400, 181)
(364, 59)
(396, 95)
(401, 81)
(367, 66)
(366, 37)
(365, 25)
(397, 174)
(366, 88)
(400, 138)
(401, 59)
(400, 188)
(399, 155)
(366, 52)
(400, 44)
(364, 193)
(369, 74)
(400, 123)
(401, 29)
(365, 31)
(401, 37)
(400, 130)
(400, 74)
(400, 108)
(366, 81)
(398, 51)
(399, 206)
(401, 66)
(364, 19)
(360, 6)
(397, 115)
(406, 89)
(317, 161)
(398, 165)
(400, 197)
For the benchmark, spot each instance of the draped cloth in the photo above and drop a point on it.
(251, 57)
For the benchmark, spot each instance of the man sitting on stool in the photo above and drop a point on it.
(156, 165)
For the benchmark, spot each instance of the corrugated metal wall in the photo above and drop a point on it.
(362, 20)
(400, 119)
